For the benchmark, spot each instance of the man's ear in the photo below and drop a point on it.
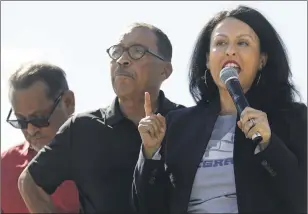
(167, 70)
(69, 101)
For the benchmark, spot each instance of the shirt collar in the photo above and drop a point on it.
(114, 115)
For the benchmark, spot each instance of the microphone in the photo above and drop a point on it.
(229, 76)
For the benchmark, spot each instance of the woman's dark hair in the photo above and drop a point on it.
(274, 88)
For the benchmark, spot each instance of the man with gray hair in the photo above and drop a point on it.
(41, 102)
(99, 149)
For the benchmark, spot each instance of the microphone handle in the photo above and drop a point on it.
(240, 101)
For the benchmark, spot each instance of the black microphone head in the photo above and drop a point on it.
(228, 73)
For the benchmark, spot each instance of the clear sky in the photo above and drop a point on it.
(75, 36)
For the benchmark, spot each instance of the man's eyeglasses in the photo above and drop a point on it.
(38, 122)
(135, 52)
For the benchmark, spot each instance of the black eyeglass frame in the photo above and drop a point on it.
(146, 50)
(37, 122)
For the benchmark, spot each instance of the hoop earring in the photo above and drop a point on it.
(258, 79)
(204, 77)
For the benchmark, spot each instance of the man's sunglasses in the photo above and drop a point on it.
(135, 52)
(39, 122)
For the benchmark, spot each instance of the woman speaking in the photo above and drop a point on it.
(202, 159)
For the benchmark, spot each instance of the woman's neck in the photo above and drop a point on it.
(226, 103)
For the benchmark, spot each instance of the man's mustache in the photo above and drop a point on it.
(121, 72)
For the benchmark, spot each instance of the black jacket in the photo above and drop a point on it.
(275, 180)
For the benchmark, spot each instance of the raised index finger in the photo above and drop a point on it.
(147, 104)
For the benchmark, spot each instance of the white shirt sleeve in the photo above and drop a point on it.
(156, 155)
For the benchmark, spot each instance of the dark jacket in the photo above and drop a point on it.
(273, 181)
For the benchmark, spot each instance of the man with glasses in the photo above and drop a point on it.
(41, 103)
(99, 149)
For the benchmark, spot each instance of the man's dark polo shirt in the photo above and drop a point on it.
(98, 150)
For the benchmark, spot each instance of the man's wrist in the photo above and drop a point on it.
(149, 152)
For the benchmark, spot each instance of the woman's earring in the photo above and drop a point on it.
(260, 69)
(204, 77)
(259, 79)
